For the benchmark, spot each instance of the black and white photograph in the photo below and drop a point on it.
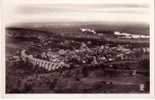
(77, 47)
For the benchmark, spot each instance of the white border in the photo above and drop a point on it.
(71, 96)
(152, 49)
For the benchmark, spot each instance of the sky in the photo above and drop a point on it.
(20, 11)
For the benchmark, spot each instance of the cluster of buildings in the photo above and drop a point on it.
(81, 52)
(117, 33)
(78, 52)
(88, 30)
(82, 55)
(129, 35)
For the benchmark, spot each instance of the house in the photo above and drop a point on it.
(88, 30)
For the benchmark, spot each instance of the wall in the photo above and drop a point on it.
(42, 63)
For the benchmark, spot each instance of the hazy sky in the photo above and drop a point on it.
(76, 10)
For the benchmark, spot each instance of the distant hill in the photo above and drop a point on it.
(74, 27)
(67, 31)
